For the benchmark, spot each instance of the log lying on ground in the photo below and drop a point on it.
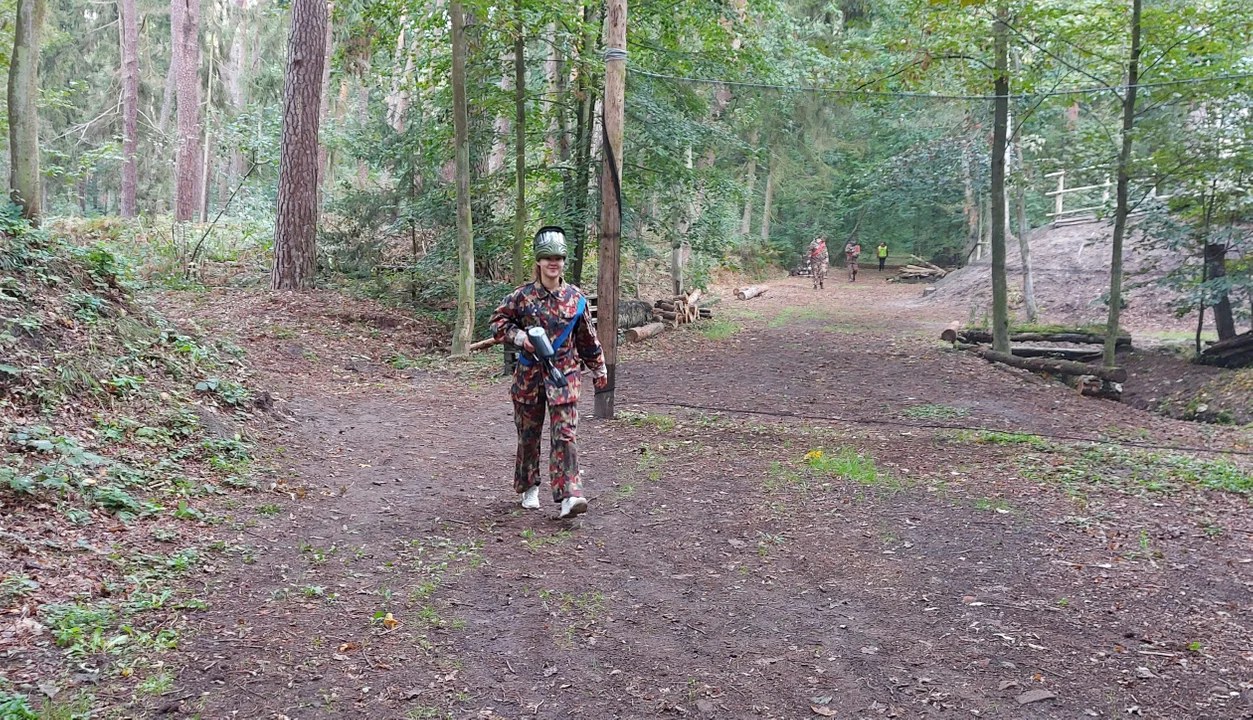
(483, 344)
(939, 271)
(1075, 354)
(1236, 352)
(916, 272)
(706, 313)
(751, 291)
(985, 336)
(950, 333)
(666, 315)
(637, 334)
(1049, 365)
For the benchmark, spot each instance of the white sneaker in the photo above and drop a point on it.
(572, 506)
(530, 498)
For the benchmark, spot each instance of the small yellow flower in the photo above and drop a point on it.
(813, 455)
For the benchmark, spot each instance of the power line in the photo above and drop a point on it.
(937, 426)
(938, 96)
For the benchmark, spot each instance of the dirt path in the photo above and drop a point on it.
(737, 565)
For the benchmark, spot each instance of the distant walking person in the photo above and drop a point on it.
(883, 254)
(561, 310)
(818, 260)
(852, 251)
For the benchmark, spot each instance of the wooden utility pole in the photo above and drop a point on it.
(611, 199)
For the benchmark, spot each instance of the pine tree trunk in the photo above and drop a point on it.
(746, 224)
(24, 181)
(1122, 208)
(766, 209)
(295, 246)
(186, 15)
(324, 106)
(585, 129)
(130, 104)
(519, 169)
(464, 327)
(1000, 122)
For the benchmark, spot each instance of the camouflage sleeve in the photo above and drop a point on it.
(506, 321)
(587, 344)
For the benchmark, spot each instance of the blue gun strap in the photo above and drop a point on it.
(565, 334)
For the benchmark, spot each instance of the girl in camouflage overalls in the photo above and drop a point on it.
(561, 309)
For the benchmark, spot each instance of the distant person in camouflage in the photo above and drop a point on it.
(818, 260)
(852, 251)
(561, 309)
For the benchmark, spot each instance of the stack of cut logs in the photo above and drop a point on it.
(681, 309)
(922, 271)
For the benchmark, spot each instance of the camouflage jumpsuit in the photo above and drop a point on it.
(819, 260)
(533, 305)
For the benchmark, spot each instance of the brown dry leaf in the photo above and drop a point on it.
(823, 711)
(348, 646)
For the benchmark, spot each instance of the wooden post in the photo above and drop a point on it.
(1058, 202)
(607, 274)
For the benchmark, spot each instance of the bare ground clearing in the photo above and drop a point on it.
(727, 569)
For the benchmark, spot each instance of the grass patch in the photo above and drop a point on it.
(1133, 470)
(993, 437)
(850, 464)
(533, 541)
(657, 421)
(935, 412)
(718, 329)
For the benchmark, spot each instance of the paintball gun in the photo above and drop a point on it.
(544, 353)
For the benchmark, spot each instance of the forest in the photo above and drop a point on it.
(256, 460)
(752, 126)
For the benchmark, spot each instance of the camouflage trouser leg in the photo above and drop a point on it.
(820, 273)
(563, 463)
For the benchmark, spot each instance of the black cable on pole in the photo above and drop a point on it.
(938, 426)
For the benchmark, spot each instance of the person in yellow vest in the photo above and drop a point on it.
(883, 254)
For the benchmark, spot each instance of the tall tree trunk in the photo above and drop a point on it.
(363, 120)
(746, 224)
(607, 247)
(186, 14)
(130, 103)
(1215, 269)
(519, 164)
(561, 83)
(464, 328)
(971, 206)
(585, 130)
(206, 158)
(1122, 207)
(1000, 122)
(1028, 279)
(295, 239)
(767, 208)
(324, 107)
(24, 181)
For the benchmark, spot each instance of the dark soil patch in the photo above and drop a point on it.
(722, 573)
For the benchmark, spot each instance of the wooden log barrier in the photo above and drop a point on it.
(1049, 365)
(751, 291)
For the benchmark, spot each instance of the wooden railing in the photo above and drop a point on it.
(1062, 215)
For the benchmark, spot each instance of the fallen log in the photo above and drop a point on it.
(942, 272)
(706, 314)
(985, 336)
(751, 291)
(1236, 352)
(1075, 354)
(643, 332)
(1049, 365)
(664, 315)
(665, 305)
(483, 344)
(950, 332)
